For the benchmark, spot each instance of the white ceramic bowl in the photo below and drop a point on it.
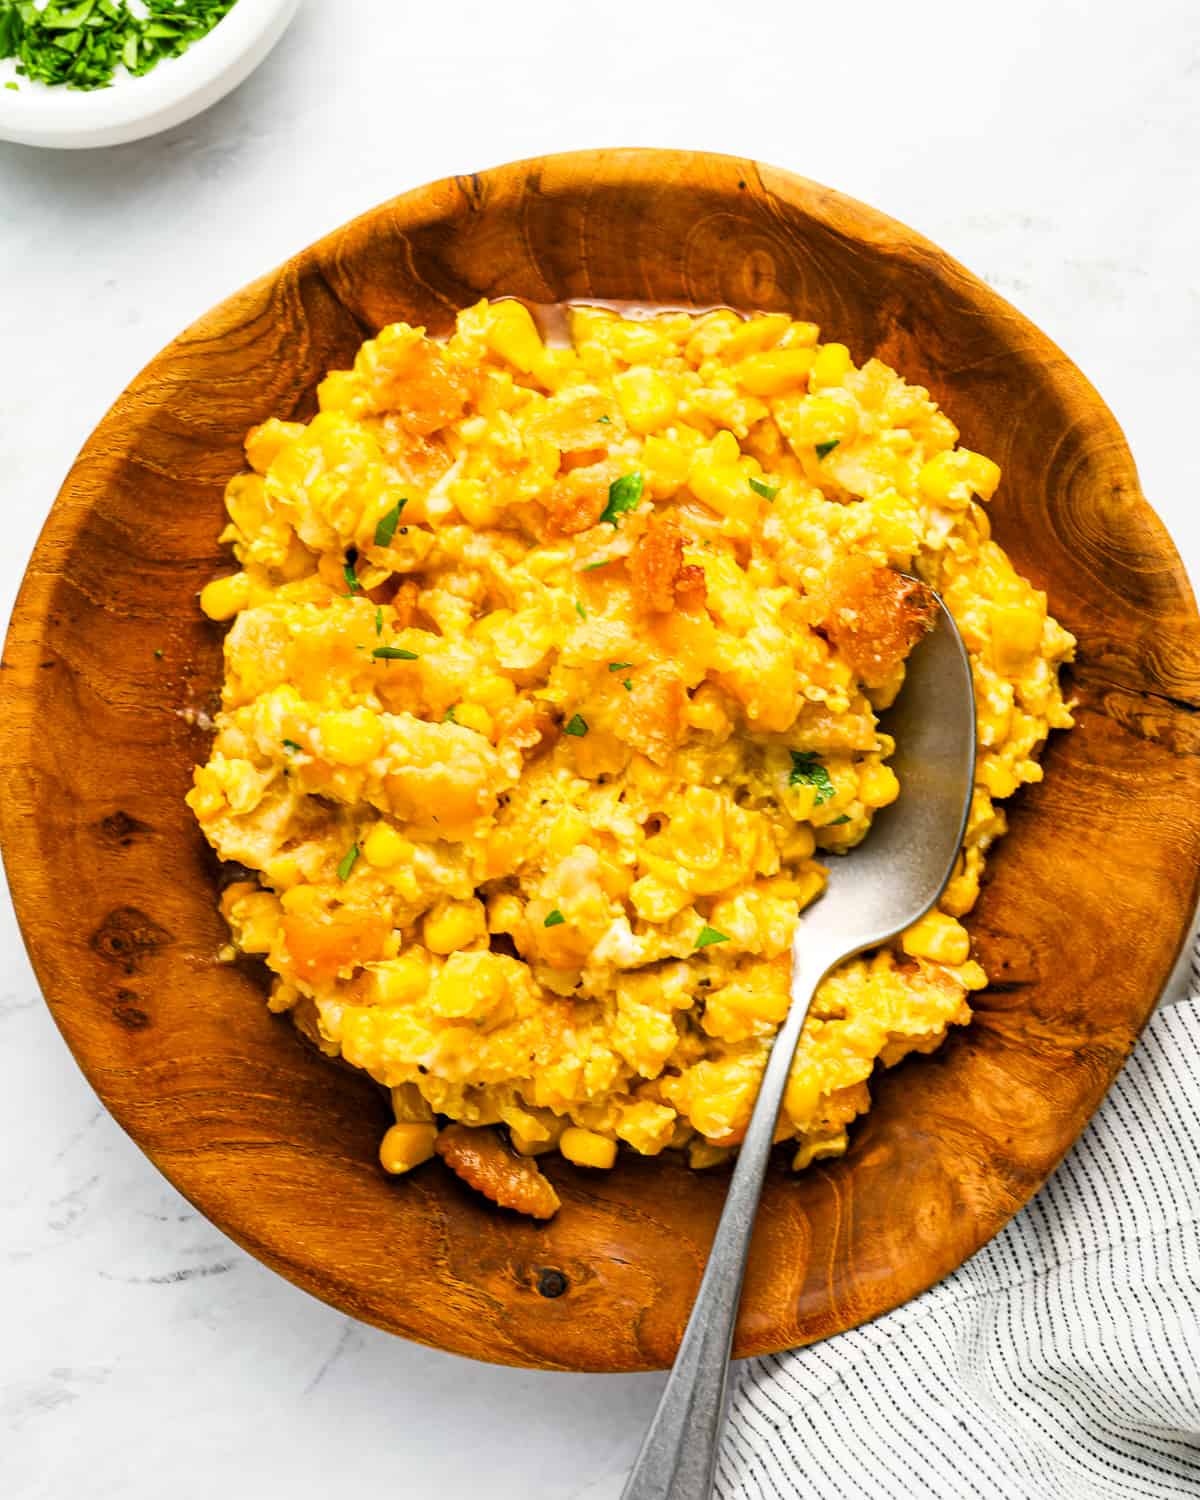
(178, 88)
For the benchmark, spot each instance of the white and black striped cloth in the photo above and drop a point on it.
(1062, 1362)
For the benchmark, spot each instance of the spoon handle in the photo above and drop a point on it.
(678, 1456)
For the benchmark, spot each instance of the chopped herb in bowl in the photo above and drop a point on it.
(81, 43)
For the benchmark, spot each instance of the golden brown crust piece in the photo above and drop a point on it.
(425, 390)
(657, 701)
(577, 499)
(483, 1162)
(875, 616)
(404, 595)
(531, 727)
(659, 576)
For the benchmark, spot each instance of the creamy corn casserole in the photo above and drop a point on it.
(553, 679)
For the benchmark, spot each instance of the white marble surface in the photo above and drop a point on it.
(1051, 144)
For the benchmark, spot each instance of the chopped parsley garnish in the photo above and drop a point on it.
(623, 494)
(825, 449)
(351, 578)
(81, 43)
(292, 745)
(767, 491)
(450, 717)
(555, 919)
(394, 653)
(385, 527)
(576, 725)
(348, 862)
(627, 684)
(158, 653)
(619, 666)
(709, 936)
(379, 622)
(603, 419)
(807, 770)
(603, 563)
(844, 818)
(580, 611)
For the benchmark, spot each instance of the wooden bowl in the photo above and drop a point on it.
(110, 667)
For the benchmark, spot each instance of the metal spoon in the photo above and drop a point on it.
(887, 884)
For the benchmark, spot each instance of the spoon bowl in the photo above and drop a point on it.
(899, 870)
(874, 893)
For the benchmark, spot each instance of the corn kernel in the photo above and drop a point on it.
(647, 400)
(775, 372)
(960, 894)
(264, 442)
(469, 984)
(950, 478)
(706, 712)
(527, 1145)
(810, 884)
(971, 976)
(452, 925)
(409, 1106)
(703, 1154)
(352, 736)
(568, 831)
(998, 778)
(657, 900)
(800, 843)
(802, 1094)
(236, 892)
(665, 464)
(492, 692)
(980, 473)
(400, 980)
(831, 365)
(224, 597)
(255, 921)
(712, 332)
(721, 485)
(939, 938)
(406, 1146)
(245, 500)
(553, 367)
(506, 912)
(878, 786)
(474, 716)
(817, 1148)
(302, 900)
(756, 334)
(818, 419)
(800, 335)
(339, 391)
(724, 448)
(513, 335)
(1016, 633)
(471, 498)
(384, 847)
(587, 1149)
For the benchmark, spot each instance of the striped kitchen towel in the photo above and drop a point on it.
(1062, 1362)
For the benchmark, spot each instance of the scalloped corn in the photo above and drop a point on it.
(553, 679)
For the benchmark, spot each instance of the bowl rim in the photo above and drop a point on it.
(612, 169)
(132, 108)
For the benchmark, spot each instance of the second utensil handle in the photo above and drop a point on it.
(678, 1456)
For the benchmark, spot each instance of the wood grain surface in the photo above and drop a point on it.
(1087, 904)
